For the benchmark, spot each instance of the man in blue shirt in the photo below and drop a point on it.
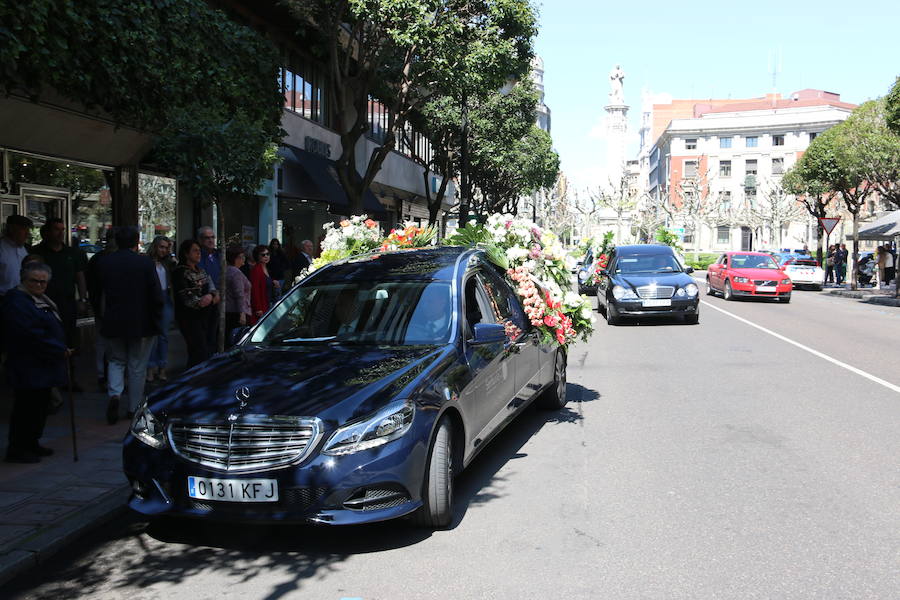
(210, 262)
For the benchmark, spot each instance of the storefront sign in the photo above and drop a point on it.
(248, 236)
(311, 144)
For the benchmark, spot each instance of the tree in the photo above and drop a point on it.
(404, 52)
(892, 107)
(833, 161)
(218, 159)
(695, 205)
(774, 208)
(651, 213)
(814, 194)
(509, 156)
(441, 120)
(870, 151)
(620, 197)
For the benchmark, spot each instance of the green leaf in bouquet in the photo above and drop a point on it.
(497, 256)
(471, 235)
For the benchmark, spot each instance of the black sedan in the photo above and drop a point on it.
(647, 280)
(357, 398)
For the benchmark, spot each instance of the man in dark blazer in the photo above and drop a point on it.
(132, 304)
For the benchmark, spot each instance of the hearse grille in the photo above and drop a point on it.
(655, 292)
(253, 444)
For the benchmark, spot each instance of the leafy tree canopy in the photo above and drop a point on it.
(176, 68)
(893, 108)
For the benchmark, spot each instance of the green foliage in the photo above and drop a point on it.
(664, 236)
(407, 53)
(472, 234)
(509, 155)
(138, 61)
(702, 260)
(607, 243)
(873, 149)
(892, 108)
(205, 85)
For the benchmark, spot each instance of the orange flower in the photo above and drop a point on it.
(345, 223)
(370, 223)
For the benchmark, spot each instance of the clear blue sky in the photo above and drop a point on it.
(703, 49)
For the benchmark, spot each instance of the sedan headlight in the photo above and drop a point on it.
(741, 280)
(582, 276)
(785, 281)
(622, 293)
(691, 289)
(373, 431)
(147, 428)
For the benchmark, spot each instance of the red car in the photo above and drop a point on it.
(751, 274)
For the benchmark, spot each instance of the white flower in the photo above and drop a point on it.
(587, 313)
(516, 253)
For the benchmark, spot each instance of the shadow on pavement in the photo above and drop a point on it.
(130, 554)
(479, 482)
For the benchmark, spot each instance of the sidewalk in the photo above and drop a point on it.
(883, 296)
(47, 505)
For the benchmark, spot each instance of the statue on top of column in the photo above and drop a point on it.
(616, 81)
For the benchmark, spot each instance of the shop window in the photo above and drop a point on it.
(88, 190)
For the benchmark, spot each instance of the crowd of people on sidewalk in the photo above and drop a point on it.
(134, 297)
(879, 268)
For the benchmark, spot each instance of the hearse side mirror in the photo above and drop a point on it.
(689, 269)
(487, 333)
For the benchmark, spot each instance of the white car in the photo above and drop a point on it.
(804, 272)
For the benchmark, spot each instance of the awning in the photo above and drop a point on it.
(312, 177)
(885, 227)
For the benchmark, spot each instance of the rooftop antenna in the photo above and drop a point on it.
(775, 61)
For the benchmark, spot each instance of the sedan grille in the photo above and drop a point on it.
(655, 292)
(764, 282)
(256, 443)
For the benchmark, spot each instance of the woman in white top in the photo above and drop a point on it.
(160, 252)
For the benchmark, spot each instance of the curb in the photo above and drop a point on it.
(35, 550)
(869, 298)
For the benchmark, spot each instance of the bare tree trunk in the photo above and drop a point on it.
(853, 280)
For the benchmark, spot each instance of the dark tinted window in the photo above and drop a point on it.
(646, 263)
(363, 312)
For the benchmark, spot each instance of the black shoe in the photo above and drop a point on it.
(42, 450)
(22, 457)
(112, 411)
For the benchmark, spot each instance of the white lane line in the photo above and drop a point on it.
(835, 361)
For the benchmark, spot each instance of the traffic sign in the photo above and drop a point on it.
(828, 223)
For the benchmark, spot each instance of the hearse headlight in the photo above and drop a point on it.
(622, 293)
(379, 429)
(691, 289)
(146, 428)
(582, 276)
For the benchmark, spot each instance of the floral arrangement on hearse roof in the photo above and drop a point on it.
(603, 252)
(533, 259)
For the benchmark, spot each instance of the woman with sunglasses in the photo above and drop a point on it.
(261, 285)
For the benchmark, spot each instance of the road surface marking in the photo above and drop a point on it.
(835, 361)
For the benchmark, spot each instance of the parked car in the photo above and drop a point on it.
(804, 271)
(647, 280)
(748, 274)
(866, 270)
(584, 275)
(357, 398)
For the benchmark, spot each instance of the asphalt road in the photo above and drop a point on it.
(709, 461)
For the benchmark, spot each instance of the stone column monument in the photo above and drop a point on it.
(616, 126)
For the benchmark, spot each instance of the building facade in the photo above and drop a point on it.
(717, 173)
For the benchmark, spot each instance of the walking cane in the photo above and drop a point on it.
(72, 409)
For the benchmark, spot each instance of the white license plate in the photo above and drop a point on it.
(650, 303)
(233, 490)
(765, 288)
